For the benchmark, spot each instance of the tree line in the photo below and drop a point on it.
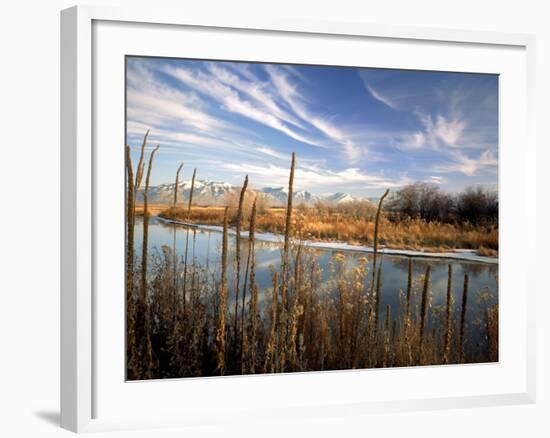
(474, 205)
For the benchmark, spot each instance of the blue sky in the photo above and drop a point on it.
(354, 130)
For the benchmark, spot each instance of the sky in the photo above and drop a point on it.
(354, 130)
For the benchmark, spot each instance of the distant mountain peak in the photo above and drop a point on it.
(207, 192)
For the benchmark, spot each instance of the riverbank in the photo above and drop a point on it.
(354, 225)
(456, 254)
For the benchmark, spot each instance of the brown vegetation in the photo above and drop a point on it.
(340, 224)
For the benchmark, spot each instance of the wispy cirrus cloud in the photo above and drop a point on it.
(487, 160)
(211, 86)
(289, 92)
(272, 153)
(255, 89)
(380, 97)
(149, 101)
(440, 129)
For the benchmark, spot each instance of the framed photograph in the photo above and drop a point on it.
(281, 217)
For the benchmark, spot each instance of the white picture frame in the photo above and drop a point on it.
(80, 338)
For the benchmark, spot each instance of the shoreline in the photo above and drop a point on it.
(457, 254)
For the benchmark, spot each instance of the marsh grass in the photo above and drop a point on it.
(343, 224)
(309, 319)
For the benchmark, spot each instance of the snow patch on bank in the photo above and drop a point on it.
(458, 254)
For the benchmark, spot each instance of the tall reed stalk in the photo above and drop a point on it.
(377, 300)
(245, 282)
(146, 215)
(133, 188)
(387, 336)
(190, 203)
(238, 259)
(375, 243)
(284, 267)
(220, 332)
(461, 348)
(174, 251)
(148, 356)
(253, 293)
(141, 165)
(409, 289)
(448, 316)
(191, 193)
(130, 321)
(271, 350)
(176, 187)
(424, 311)
(297, 309)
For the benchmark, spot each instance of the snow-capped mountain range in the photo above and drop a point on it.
(217, 193)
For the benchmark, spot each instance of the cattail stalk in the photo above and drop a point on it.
(284, 266)
(245, 282)
(377, 300)
(143, 298)
(220, 332)
(448, 316)
(375, 244)
(191, 193)
(176, 186)
(187, 241)
(141, 164)
(463, 320)
(408, 294)
(271, 349)
(297, 310)
(238, 258)
(424, 310)
(253, 294)
(174, 251)
(130, 201)
(146, 228)
(387, 335)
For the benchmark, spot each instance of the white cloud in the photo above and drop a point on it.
(442, 130)
(449, 131)
(412, 141)
(314, 179)
(435, 180)
(380, 97)
(272, 153)
(468, 166)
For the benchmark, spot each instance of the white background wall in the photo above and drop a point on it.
(29, 216)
